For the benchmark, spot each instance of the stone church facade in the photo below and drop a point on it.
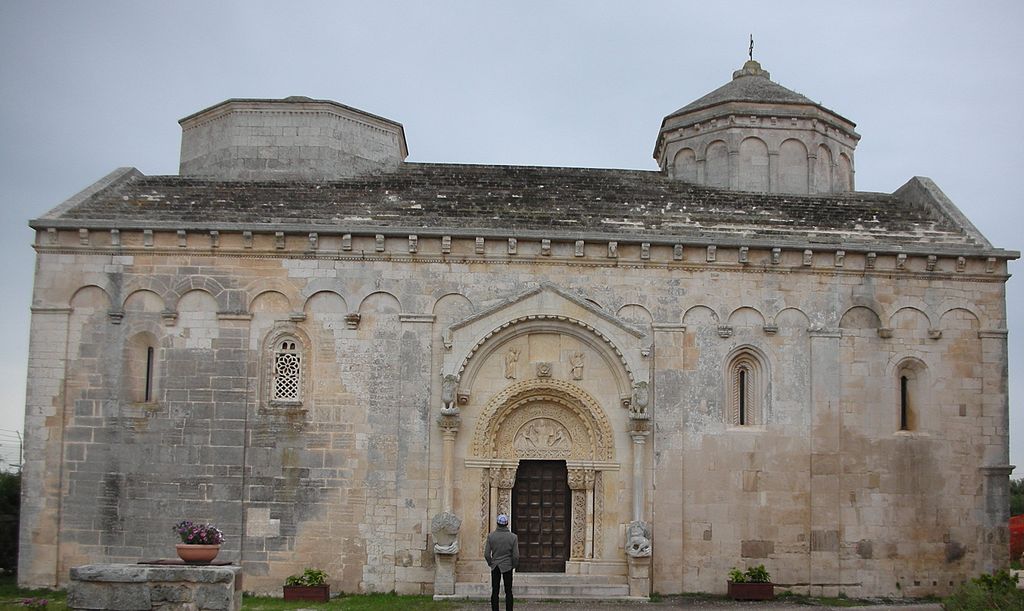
(353, 362)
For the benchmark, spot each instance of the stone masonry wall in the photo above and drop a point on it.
(827, 493)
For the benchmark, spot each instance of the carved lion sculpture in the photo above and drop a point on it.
(641, 396)
(448, 387)
(638, 539)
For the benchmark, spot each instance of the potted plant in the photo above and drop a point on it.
(753, 584)
(310, 585)
(200, 543)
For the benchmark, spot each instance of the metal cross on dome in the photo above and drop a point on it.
(751, 51)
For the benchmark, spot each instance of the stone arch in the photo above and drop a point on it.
(597, 341)
(746, 316)
(381, 302)
(793, 167)
(502, 430)
(270, 300)
(910, 318)
(959, 318)
(716, 164)
(684, 165)
(143, 300)
(636, 314)
(196, 300)
(752, 174)
(327, 302)
(197, 283)
(860, 317)
(456, 303)
(953, 303)
(700, 314)
(90, 296)
(154, 284)
(792, 317)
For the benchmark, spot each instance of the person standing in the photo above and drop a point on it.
(502, 555)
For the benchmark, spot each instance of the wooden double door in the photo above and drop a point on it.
(541, 515)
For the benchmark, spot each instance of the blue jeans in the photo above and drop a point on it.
(496, 577)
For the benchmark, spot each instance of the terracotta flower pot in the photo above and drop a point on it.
(197, 554)
(751, 590)
(312, 593)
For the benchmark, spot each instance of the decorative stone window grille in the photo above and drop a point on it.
(286, 381)
(747, 388)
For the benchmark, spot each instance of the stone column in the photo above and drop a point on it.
(639, 441)
(638, 534)
(590, 477)
(582, 488)
(449, 425)
(445, 526)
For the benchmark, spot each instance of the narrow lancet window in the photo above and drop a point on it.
(148, 394)
(904, 404)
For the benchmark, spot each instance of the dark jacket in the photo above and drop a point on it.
(502, 549)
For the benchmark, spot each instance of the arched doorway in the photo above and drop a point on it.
(546, 444)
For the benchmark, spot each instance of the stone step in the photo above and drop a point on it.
(543, 586)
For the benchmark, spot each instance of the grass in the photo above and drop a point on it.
(359, 602)
(11, 596)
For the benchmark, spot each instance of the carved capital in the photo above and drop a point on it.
(352, 320)
(580, 479)
(639, 429)
(449, 423)
(503, 477)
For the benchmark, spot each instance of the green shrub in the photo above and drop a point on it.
(987, 592)
(758, 574)
(309, 577)
(754, 574)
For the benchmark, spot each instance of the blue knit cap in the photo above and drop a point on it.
(502, 519)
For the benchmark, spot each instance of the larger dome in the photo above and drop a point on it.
(753, 134)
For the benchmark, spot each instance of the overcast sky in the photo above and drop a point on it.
(935, 88)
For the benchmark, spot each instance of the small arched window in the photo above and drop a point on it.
(286, 378)
(746, 376)
(141, 368)
(911, 394)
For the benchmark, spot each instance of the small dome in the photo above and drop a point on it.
(730, 137)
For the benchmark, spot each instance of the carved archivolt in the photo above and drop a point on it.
(543, 419)
(549, 322)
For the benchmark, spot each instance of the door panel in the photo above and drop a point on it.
(541, 509)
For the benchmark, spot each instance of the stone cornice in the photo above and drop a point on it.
(554, 236)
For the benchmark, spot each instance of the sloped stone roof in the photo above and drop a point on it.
(753, 85)
(553, 202)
